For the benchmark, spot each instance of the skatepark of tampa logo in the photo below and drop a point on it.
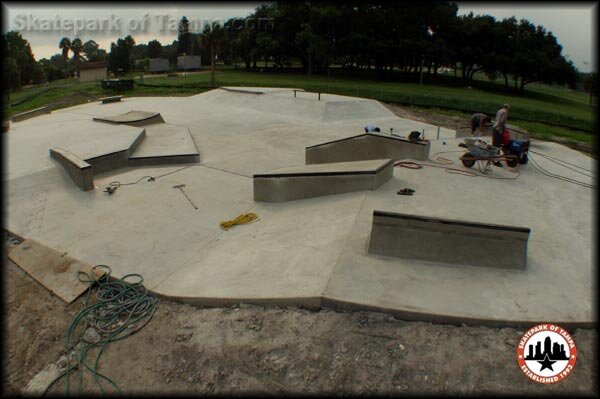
(546, 353)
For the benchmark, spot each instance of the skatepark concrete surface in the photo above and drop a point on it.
(311, 252)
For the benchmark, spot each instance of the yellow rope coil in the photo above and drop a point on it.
(244, 218)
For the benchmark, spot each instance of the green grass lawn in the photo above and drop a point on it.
(547, 110)
(534, 106)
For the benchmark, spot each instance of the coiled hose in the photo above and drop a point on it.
(121, 309)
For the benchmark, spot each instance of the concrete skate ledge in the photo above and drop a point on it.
(111, 99)
(448, 241)
(164, 160)
(80, 171)
(30, 114)
(288, 184)
(241, 91)
(366, 146)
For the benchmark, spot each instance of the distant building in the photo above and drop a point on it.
(188, 62)
(92, 71)
(159, 65)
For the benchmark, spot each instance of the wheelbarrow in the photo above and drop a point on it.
(483, 154)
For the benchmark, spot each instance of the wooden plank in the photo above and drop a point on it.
(54, 270)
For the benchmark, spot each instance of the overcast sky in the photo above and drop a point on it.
(572, 23)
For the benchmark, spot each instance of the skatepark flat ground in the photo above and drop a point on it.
(310, 252)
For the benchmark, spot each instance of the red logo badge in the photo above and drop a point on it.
(546, 353)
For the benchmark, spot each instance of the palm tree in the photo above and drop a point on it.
(77, 48)
(65, 45)
(212, 37)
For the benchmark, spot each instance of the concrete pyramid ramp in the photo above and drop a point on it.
(288, 184)
(98, 150)
(165, 144)
(367, 146)
(132, 118)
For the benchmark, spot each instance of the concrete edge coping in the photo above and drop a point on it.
(30, 114)
(315, 174)
(81, 172)
(166, 156)
(429, 219)
(366, 135)
(70, 157)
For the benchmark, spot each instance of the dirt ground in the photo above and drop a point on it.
(252, 350)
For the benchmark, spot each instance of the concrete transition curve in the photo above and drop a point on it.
(288, 184)
(366, 146)
(448, 241)
(133, 118)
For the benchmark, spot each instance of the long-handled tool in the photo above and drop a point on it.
(180, 187)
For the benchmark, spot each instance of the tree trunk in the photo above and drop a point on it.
(212, 66)
(506, 80)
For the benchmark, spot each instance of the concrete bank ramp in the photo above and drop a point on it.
(448, 241)
(367, 146)
(165, 144)
(132, 118)
(288, 184)
(306, 106)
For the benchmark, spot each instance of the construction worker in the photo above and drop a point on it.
(499, 127)
(477, 122)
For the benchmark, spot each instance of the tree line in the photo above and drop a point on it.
(385, 39)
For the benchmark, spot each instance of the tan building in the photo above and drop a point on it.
(92, 71)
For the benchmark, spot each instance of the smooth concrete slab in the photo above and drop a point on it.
(366, 146)
(448, 241)
(165, 144)
(299, 182)
(132, 118)
(311, 252)
(558, 284)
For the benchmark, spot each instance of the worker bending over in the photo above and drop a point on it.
(477, 122)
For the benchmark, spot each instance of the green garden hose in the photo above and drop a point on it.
(121, 309)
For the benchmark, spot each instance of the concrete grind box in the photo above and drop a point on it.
(448, 241)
